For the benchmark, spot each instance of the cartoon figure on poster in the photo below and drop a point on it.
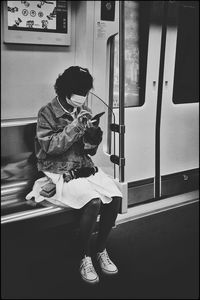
(32, 14)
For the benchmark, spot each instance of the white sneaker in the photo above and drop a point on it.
(107, 266)
(87, 270)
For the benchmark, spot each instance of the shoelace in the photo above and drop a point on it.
(87, 264)
(104, 256)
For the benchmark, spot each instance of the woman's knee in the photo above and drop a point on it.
(95, 203)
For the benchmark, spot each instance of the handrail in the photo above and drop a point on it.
(9, 189)
(18, 122)
(121, 91)
(19, 216)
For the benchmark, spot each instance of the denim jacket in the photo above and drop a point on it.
(59, 142)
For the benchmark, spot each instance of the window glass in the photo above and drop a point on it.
(136, 25)
(186, 86)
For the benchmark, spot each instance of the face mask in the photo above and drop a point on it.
(76, 100)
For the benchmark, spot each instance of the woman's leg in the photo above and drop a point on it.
(108, 216)
(87, 224)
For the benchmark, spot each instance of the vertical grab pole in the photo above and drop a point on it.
(121, 92)
(159, 99)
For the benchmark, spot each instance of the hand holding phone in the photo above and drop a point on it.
(84, 116)
(95, 120)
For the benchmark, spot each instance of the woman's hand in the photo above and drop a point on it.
(84, 116)
(92, 123)
(93, 135)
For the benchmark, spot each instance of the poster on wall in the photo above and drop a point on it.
(37, 22)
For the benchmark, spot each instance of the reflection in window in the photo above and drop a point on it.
(135, 49)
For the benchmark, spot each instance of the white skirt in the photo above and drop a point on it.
(77, 192)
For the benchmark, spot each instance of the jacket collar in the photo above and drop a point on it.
(58, 110)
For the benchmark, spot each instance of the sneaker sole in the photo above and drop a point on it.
(90, 281)
(108, 273)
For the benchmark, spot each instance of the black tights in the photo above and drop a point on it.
(108, 215)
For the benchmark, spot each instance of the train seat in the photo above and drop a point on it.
(18, 174)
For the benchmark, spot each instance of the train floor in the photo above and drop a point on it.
(157, 257)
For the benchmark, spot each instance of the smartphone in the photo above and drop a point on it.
(96, 117)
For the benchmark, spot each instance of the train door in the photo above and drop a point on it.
(142, 46)
(141, 86)
(161, 115)
(179, 108)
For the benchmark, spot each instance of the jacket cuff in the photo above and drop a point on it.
(78, 127)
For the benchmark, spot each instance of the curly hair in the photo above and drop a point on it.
(74, 80)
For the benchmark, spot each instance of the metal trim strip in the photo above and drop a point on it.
(17, 122)
(29, 214)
